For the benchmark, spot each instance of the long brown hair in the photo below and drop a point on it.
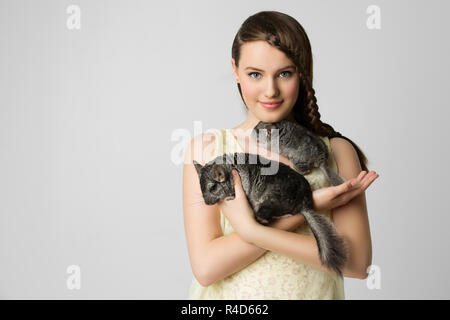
(286, 34)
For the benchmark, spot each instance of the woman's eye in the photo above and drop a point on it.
(286, 72)
(250, 74)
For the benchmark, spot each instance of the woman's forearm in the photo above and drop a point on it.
(226, 255)
(230, 253)
(300, 247)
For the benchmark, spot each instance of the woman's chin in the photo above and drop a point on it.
(275, 117)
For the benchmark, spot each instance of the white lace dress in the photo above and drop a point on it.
(273, 275)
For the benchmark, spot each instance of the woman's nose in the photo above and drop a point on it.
(271, 89)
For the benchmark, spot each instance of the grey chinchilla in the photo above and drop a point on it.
(302, 147)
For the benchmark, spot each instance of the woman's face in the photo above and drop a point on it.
(266, 74)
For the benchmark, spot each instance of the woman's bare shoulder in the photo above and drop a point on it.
(201, 148)
(346, 157)
(341, 145)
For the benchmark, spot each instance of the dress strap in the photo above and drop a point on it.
(225, 142)
(220, 136)
(331, 161)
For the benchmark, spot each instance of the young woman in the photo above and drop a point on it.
(233, 256)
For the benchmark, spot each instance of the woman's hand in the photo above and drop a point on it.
(238, 210)
(335, 196)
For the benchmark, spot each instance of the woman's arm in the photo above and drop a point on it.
(350, 220)
(214, 256)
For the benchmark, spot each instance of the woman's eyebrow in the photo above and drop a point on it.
(287, 67)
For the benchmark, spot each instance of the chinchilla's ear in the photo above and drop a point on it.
(198, 167)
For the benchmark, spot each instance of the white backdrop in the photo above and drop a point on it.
(87, 170)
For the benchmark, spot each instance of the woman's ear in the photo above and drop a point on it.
(235, 72)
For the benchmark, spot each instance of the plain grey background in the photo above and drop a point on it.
(87, 175)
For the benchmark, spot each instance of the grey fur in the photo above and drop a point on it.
(302, 147)
(272, 196)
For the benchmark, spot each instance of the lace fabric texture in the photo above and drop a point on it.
(273, 276)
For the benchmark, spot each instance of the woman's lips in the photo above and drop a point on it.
(270, 105)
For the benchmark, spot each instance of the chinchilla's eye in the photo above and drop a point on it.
(213, 188)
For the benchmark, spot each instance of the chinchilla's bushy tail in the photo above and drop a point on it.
(332, 176)
(332, 249)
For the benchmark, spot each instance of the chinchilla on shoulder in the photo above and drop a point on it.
(302, 147)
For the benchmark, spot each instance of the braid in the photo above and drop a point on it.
(309, 116)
